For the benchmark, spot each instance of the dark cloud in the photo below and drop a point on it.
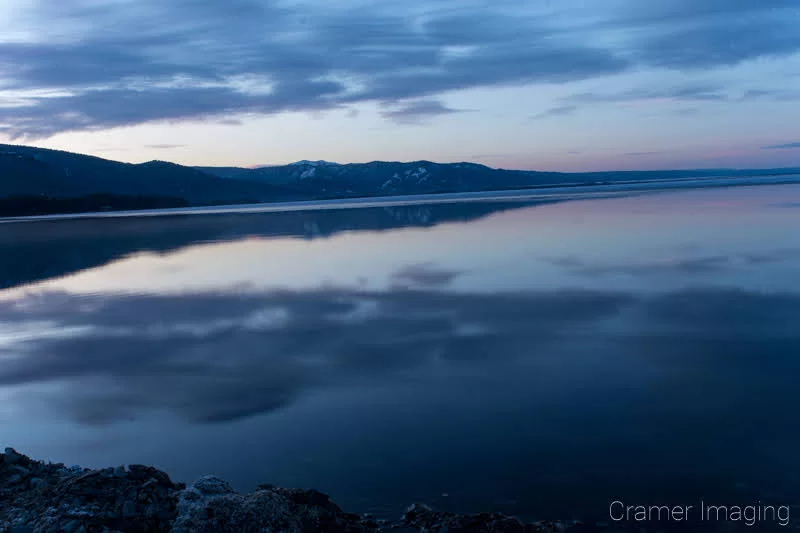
(558, 111)
(785, 146)
(128, 62)
(776, 95)
(416, 112)
(722, 41)
(691, 93)
(676, 94)
(688, 35)
(107, 108)
(192, 61)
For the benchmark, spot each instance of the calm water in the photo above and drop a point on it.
(541, 359)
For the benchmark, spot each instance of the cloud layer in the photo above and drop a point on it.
(87, 66)
(785, 146)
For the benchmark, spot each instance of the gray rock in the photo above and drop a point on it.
(209, 506)
(211, 485)
(80, 500)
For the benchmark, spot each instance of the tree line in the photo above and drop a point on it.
(35, 205)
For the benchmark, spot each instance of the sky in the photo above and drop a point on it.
(539, 84)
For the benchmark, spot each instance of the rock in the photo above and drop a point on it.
(72, 526)
(209, 506)
(38, 483)
(129, 509)
(211, 485)
(423, 518)
(11, 456)
(56, 499)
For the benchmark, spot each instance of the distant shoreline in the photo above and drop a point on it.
(541, 193)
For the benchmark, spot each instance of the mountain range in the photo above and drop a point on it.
(34, 174)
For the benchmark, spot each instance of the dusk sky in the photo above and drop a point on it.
(537, 84)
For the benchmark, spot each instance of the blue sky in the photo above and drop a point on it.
(541, 84)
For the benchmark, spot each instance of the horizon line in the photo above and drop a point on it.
(273, 165)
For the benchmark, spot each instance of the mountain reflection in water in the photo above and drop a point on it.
(536, 360)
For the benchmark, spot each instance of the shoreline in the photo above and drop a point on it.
(43, 497)
(533, 194)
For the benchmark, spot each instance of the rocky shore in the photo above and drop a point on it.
(39, 497)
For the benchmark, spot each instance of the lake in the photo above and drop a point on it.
(538, 357)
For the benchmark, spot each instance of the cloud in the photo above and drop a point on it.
(81, 67)
(98, 109)
(189, 61)
(164, 146)
(775, 95)
(418, 111)
(785, 146)
(722, 41)
(702, 93)
(680, 93)
(689, 36)
(558, 111)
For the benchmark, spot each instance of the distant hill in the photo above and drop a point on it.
(28, 172)
(380, 178)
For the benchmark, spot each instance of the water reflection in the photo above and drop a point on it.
(222, 357)
(620, 357)
(50, 249)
